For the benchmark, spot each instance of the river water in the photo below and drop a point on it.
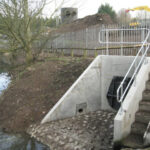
(17, 141)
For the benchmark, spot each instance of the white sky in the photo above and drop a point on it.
(89, 7)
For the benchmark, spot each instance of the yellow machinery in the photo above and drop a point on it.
(146, 8)
(134, 24)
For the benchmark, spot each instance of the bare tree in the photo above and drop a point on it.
(20, 23)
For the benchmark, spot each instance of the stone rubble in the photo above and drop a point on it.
(92, 131)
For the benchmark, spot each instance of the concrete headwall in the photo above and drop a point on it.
(124, 119)
(89, 91)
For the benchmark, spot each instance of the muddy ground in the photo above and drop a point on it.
(35, 89)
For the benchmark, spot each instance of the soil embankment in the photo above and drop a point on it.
(86, 22)
(35, 90)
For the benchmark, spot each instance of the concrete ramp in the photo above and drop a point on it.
(89, 91)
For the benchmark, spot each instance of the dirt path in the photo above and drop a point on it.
(38, 88)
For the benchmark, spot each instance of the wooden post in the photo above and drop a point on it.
(62, 52)
(96, 53)
(85, 54)
(72, 53)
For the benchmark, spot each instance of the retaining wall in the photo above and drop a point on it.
(89, 91)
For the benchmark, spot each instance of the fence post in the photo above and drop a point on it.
(85, 53)
(121, 42)
(62, 52)
(56, 44)
(63, 40)
(96, 52)
(86, 37)
(72, 53)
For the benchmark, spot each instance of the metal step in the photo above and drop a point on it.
(146, 95)
(144, 106)
(133, 141)
(138, 128)
(142, 116)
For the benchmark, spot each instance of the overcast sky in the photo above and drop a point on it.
(89, 7)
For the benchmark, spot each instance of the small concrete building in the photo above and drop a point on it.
(68, 14)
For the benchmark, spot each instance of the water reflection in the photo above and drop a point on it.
(19, 142)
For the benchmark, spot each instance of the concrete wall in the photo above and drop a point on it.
(124, 120)
(68, 14)
(89, 92)
(84, 92)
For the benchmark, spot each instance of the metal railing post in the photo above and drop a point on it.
(107, 40)
(121, 89)
(135, 74)
(145, 60)
(142, 36)
(121, 95)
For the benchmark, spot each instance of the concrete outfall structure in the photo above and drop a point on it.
(89, 91)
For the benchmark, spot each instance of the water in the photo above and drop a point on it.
(17, 141)
(4, 81)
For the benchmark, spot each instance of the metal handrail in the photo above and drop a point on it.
(120, 42)
(143, 49)
(120, 88)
